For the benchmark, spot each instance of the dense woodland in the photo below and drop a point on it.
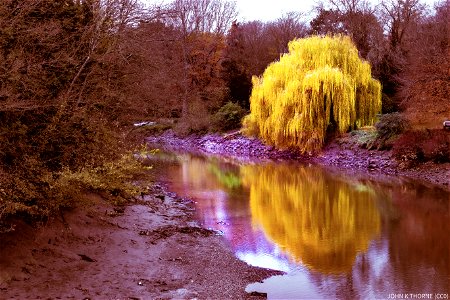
(76, 74)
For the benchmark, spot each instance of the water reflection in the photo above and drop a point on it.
(319, 222)
(335, 235)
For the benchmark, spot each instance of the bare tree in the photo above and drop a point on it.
(424, 76)
(400, 19)
(400, 16)
(213, 16)
(263, 43)
(256, 51)
(153, 69)
(68, 39)
(284, 30)
(349, 6)
(198, 16)
(60, 74)
(353, 17)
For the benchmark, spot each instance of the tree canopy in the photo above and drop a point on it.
(321, 84)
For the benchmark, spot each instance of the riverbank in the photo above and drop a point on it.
(343, 154)
(149, 249)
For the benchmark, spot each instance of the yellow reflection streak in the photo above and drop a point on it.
(321, 222)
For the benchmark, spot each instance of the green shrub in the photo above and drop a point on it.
(389, 126)
(228, 117)
(363, 137)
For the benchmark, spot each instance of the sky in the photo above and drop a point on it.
(269, 10)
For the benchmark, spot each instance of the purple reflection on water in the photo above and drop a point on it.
(407, 253)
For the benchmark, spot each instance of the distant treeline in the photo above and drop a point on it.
(74, 74)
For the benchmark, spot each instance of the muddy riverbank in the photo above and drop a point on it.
(149, 249)
(343, 154)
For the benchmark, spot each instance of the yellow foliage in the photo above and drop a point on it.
(321, 222)
(320, 81)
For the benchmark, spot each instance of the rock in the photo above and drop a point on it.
(86, 258)
(160, 196)
(258, 294)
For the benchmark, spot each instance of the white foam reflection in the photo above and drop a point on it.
(264, 260)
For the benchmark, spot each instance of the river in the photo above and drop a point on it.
(335, 235)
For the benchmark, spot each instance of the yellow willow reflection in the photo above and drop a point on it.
(317, 220)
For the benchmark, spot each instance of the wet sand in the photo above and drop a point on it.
(149, 249)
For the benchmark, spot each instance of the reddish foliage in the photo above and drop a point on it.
(416, 146)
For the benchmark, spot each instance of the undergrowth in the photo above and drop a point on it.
(389, 127)
(419, 146)
(383, 135)
(42, 194)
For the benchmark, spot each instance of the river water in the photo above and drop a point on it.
(335, 235)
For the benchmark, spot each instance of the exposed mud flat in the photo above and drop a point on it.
(343, 154)
(149, 249)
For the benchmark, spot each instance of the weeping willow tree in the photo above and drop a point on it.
(317, 220)
(320, 84)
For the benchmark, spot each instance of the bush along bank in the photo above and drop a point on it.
(45, 194)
